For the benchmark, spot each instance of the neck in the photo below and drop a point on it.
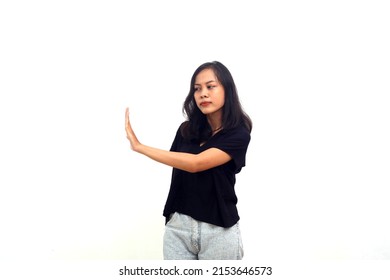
(215, 125)
(215, 121)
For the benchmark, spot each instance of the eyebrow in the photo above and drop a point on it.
(211, 81)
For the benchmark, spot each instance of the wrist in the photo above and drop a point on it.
(137, 147)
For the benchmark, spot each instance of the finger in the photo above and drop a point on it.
(127, 119)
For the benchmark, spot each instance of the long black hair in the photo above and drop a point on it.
(197, 128)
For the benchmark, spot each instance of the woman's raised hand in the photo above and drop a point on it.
(134, 143)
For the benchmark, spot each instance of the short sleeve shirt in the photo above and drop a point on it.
(209, 195)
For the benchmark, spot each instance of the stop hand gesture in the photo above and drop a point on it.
(134, 143)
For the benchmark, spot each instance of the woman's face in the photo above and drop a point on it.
(209, 93)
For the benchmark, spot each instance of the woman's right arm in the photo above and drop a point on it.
(185, 161)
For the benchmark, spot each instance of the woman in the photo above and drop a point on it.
(207, 152)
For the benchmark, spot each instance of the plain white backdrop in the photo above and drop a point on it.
(313, 76)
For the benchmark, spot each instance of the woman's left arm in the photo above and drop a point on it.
(185, 161)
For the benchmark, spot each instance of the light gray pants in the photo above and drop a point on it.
(188, 239)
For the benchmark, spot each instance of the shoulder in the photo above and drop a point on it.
(186, 131)
(184, 125)
(178, 138)
(182, 133)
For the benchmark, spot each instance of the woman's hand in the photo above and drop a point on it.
(134, 143)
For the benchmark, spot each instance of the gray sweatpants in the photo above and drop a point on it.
(188, 239)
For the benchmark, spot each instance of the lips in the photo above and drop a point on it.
(205, 104)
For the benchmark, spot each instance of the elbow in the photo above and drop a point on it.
(196, 165)
(192, 168)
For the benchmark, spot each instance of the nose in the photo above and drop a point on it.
(204, 93)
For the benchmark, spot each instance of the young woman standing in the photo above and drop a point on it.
(208, 151)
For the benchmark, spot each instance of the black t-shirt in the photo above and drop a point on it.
(209, 196)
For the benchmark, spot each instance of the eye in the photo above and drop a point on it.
(196, 89)
(211, 86)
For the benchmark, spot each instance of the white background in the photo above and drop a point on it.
(313, 76)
